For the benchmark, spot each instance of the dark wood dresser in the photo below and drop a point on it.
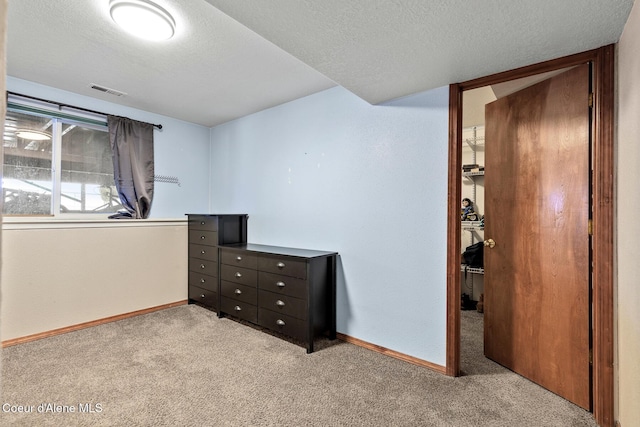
(286, 290)
(206, 234)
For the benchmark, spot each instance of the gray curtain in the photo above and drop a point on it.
(133, 168)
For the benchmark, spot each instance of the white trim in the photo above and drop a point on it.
(31, 223)
(56, 159)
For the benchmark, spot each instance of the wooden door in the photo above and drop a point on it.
(537, 299)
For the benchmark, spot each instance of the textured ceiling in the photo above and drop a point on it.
(231, 58)
(384, 49)
(214, 70)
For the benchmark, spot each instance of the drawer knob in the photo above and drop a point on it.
(201, 295)
(238, 274)
(238, 258)
(203, 266)
(203, 252)
(238, 291)
(280, 303)
(202, 280)
(280, 322)
(237, 308)
(202, 223)
(280, 265)
(202, 237)
(280, 284)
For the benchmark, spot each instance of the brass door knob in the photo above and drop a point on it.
(490, 243)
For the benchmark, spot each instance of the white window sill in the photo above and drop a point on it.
(30, 223)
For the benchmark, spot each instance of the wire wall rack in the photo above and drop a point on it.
(167, 178)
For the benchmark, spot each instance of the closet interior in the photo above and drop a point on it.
(472, 201)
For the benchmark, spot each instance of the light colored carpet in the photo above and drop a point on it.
(185, 367)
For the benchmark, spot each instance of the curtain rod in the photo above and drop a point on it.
(60, 105)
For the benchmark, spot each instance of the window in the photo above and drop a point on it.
(56, 164)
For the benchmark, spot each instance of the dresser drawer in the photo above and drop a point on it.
(239, 292)
(203, 281)
(239, 258)
(283, 324)
(288, 266)
(203, 296)
(203, 222)
(199, 237)
(284, 304)
(284, 285)
(209, 253)
(209, 268)
(244, 276)
(239, 309)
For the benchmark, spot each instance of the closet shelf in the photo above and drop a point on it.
(473, 270)
(473, 141)
(473, 172)
(472, 225)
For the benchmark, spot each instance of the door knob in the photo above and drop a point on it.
(490, 243)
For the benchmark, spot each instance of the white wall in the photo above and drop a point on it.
(628, 232)
(181, 149)
(58, 277)
(332, 172)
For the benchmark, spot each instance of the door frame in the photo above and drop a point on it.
(602, 60)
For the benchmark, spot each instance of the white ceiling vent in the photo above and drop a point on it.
(107, 90)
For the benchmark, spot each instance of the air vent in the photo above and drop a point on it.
(107, 90)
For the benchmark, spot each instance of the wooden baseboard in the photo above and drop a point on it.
(79, 326)
(379, 349)
(342, 337)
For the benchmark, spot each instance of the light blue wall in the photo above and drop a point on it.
(181, 150)
(329, 171)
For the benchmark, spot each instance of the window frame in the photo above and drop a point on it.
(52, 111)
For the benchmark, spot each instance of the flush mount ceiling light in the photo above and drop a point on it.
(32, 135)
(143, 19)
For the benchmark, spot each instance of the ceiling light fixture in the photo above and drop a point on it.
(32, 135)
(143, 19)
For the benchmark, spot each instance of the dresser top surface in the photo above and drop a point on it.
(279, 250)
